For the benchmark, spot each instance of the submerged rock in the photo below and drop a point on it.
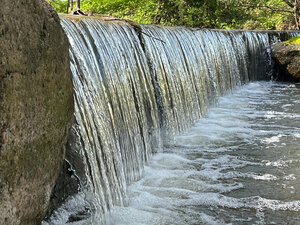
(287, 58)
(36, 107)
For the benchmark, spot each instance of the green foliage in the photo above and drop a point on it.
(224, 14)
(137, 10)
(59, 5)
(267, 14)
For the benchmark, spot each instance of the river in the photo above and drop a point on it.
(238, 165)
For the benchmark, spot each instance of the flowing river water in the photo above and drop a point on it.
(239, 165)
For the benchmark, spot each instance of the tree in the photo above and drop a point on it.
(65, 6)
(295, 6)
(70, 5)
(283, 7)
(59, 5)
(224, 14)
(77, 5)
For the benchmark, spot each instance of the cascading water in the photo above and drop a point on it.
(115, 107)
(138, 87)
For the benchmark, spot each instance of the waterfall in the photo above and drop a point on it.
(137, 87)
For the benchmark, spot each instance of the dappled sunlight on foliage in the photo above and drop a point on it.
(219, 14)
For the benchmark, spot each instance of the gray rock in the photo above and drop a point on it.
(287, 58)
(36, 108)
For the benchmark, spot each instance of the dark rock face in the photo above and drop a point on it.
(287, 58)
(36, 107)
(72, 176)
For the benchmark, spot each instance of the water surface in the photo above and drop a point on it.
(240, 165)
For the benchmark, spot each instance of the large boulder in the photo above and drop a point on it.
(36, 108)
(287, 58)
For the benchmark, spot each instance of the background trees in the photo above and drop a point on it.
(231, 14)
(64, 6)
(295, 6)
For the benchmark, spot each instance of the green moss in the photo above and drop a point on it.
(293, 41)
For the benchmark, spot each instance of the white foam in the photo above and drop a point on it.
(273, 139)
(290, 177)
(266, 177)
(296, 135)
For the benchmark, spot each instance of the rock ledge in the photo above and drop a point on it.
(287, 58)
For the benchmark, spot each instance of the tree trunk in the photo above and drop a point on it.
(68, 5)
(157, 17)
(71, 5)
(77, 7)
(297, 13)
(295, 5)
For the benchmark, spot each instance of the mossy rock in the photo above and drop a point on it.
(287, 58)
(293, 41)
